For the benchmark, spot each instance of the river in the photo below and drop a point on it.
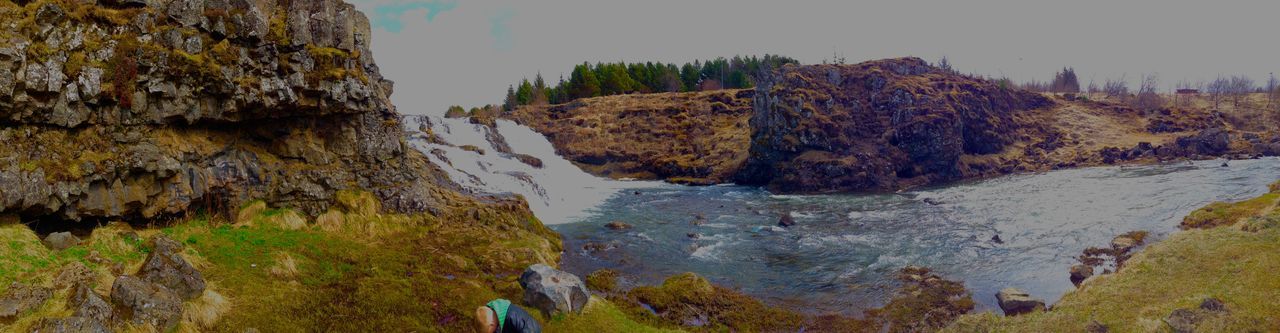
(844, 252)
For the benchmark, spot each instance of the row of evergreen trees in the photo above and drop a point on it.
(606, 79)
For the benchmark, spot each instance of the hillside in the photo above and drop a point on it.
(689, 138)
(880, 125)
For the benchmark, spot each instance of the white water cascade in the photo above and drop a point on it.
(558, 192)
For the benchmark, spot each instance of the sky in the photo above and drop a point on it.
(466, 52)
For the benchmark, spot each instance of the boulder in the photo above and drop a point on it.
(144, 303)
(1015, 302)
(553, 291)
(1183, 320)
(1213, 305)
(166, 267)
(1080, 272)
(59, 241)
(618, 225)
(69, 325)
(786, 220)
(86, 303)
(73, 274)
(21, 298)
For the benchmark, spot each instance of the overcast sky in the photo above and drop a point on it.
(466, 52)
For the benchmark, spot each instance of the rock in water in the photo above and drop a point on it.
(20, 298)
(1123, 243)
(553, 291)
(1015, 302)
(144, 303)
(1080, 272)
(786, 220)
(70, 325)
(618, 225)
(59, 241)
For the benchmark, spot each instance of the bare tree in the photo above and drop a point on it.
(1116, 88)
(1148, 98)
(1273, 90)
(1217, 88)
(945, 65)
(1240, 88)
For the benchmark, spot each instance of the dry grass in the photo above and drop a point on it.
(204, 312)
(1233, 265)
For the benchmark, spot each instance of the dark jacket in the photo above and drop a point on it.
(519, 321)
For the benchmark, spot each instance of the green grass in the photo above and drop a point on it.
(1235, 264)
(600, 315)
(1222, 213)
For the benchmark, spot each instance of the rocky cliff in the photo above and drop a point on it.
(688, 138)
(875, 125)
(146, 109)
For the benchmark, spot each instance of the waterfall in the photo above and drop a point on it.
(557, 191)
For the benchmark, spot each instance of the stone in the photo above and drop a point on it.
(1014, 302)
(1080, 272)
(22, 298)
(86, 303)
(144, 303)
(59, 241)
(1123, 243)
(166, 267)
(618, 225)
(1213, 305)
(73, 274)
(1183, 320)
(553, 291)
(1095, 327)
(70, 325)
(186, 12)
(786, 220)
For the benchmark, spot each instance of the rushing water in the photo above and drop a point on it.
(843, 254)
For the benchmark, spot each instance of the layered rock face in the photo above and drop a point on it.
(876, 125)
(145, 109)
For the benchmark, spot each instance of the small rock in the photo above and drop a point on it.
(1015, 302)
(1080, 272)
(73, 274)
(87, 303)
(1096, 327)
(59, 241)
(1123, 243)
(145, 303)
(166, 267)
(617, 225)
(69, 325)
(20, 298)
(693, 235)
(1213, 304)
(553, 291)
(1183, 320)
(786, 220)
(996, 239)
(932, 201)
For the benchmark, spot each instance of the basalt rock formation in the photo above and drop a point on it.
(876, 125)
(146, 109)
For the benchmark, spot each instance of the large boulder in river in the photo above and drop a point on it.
(166, 267)
(144, 303)
(1014, 301)
(1080, 272)
(552, 290)
(786, 220)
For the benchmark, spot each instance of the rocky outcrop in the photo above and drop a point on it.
(166, 267)
(146, 109)
(145, 303)
(553, 291)
(688, 138)
(1014, 301)
(21, 298)
(876, 125)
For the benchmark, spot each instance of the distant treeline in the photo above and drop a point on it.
(605, 79)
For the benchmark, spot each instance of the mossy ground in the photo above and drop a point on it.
(1233, 262)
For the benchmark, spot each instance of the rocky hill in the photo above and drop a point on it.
(879, 125)
(150, 109)
(689, 138)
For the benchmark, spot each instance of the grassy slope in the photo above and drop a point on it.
(1227, 262)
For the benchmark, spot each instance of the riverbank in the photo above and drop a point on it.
(1167, 283)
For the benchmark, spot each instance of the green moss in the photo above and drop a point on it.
(600, 315)
(1222, 213)
(604, 280)
(688, 297)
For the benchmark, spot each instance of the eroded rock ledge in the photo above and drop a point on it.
(145, 109)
